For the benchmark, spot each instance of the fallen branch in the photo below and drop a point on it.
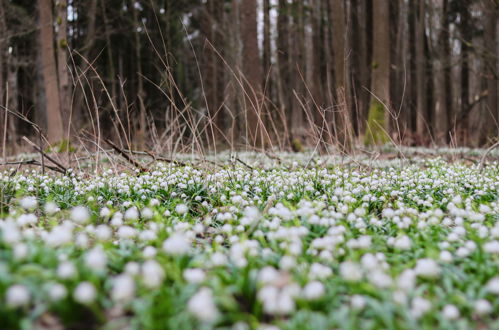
(37, 148)
(34, 163)
(484, 157)
(126, 156)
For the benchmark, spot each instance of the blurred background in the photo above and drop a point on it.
(167, 75)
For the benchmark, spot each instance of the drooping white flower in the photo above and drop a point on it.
(96, 259)
(57, 291)
(313, 290)
(17, 295)
(66, 270)
(427, 268)
(123, 288)
(28, 203)
(85, 293)
(420, 306)
(450, 312)
(176, 245)
(202, 306)
(152, 274)
(80, 214)
(194, 275)
(350, 271)
(483, 307)
(51, 208)
(493, 285)
(131, 214)
(181, 209)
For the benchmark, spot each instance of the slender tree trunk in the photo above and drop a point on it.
(284, 64)
(252, 74)
(491, 116)
(341, 110)
(49, 70)
(141, 133)
(380, 81)
(62, 64)
(464, 109)
(443, 107)
(421, 121)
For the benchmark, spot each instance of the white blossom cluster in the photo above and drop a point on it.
(282, 246)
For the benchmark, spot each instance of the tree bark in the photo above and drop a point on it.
(380, 81)
(491, 115)
(62, 64)
(421, 120)
(55, 131)
(252, 74)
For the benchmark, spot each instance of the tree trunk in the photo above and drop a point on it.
(443, 106)
(284, 65)
(62, 64)
(55, 131)
(380, 82)
(141, 133)
(421, 120)
(491, 116)
(466, 36)
(252, 74)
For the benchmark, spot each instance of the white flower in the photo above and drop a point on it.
(59, 235)
(450, 312)
(268, 274)
(28, 203)
(131, 214)
(80, 214)
(57, 292)
(493, 285)
(66, 270)
(126, 232)
(202, 306)
(105, 212)
(20, 251)
(85, 293)
(403, 243)
(350, 271)
(358, 301)
(132, 268)
(483, 307)
(427, 268)
(96, 259)
(17, 295)
(149, 252)
(446, 256)
(103, 232)
(319, 271)
(51, 208)
(194, 275)
(313, 290)
(420, 306)
(181, 209)
(287, 263)
(176, 245)
(491, 247)
(152, 274)
(123, 288)
(147, 213)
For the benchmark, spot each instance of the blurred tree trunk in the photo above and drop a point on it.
(341, 110)
(380, 82)
(141, 133)
(466, 36)
(285, 94)
(491, 115)
(443, 105)
(62, 64)
(421, 110)
(252, 74)
(55, 131)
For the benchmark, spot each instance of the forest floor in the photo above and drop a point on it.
(393, 238)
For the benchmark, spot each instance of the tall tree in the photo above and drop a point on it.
(491, 115)
(49, 70)
(62, 63)
(380, 81)
(421, 120)
(252, 74)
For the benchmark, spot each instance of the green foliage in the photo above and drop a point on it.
(375, 131)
